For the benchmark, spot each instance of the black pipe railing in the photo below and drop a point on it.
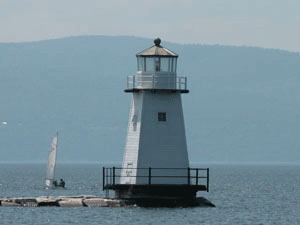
(111, 177)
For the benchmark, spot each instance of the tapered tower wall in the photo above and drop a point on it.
(132, 144)
(153, 143)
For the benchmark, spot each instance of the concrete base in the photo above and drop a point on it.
(171, 202)
(156, 191)
(97, 201)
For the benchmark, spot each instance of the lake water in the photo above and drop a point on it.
(243, 194)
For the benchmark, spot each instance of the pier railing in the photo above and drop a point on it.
(194, 176)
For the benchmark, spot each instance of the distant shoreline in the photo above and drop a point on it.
(191, 164)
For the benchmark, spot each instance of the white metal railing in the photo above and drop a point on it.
(156, 82)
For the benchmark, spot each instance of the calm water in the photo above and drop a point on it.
(243, 194)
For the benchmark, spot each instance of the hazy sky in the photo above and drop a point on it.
(265, 23)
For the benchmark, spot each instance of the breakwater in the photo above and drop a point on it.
(96, 201)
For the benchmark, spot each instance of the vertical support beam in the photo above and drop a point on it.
(153, 81)
(133, 82)
(114, 176)
(106, 176)
(149, 175)
(189, 175)
(103, 177)
(110, 176)
(197, 176)
(207, 179)
(179, 82)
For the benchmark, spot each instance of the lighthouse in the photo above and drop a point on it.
(155, 163)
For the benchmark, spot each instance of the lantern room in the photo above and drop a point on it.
(156, 67)
(157, 59)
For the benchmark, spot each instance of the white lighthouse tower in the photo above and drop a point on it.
(156, 133)
(155, 163)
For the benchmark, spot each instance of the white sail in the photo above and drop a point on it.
(51, 162)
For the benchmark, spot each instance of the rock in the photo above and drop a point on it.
(27, 202)
(47, 201)
(95, 202)
(114, 202)
(30, 204)
(71, 202)
(9, 202)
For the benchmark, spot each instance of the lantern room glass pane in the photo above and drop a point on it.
(157, 64)
(150, 64)
(141, 64)
(164, 64)
(174, 65)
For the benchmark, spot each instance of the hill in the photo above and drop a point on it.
(243, 106)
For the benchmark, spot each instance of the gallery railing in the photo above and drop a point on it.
(160, 82)
(195, 176)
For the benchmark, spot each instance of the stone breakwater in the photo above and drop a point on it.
(95, 201)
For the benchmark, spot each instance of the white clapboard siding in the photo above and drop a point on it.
(132, 140)
(155, 144)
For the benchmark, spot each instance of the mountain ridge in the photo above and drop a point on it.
(243, 104)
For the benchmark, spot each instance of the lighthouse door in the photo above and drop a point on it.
(129, 173)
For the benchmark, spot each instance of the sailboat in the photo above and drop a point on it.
(51, 162)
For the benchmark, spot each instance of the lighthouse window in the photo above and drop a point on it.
(141, 64)
(162, 117)
(157, 64)
(149, 64)
(164, 64)
(174, 65)
(171, 65)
